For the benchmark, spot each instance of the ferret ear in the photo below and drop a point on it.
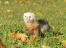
(33, 15)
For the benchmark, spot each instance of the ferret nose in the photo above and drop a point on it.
(29, 16)
(29, 19)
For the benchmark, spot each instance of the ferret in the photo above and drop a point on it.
(34, 26)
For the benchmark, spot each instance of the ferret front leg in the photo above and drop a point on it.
(36, 32)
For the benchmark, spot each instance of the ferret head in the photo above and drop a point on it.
(29, 17)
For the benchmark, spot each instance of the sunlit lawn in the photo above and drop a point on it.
(11, 20)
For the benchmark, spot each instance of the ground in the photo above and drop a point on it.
(11, 20)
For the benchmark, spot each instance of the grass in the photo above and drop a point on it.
(11, 20)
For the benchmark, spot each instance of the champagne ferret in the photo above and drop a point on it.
(34, 26)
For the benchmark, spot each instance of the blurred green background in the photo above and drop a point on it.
(11, 20)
